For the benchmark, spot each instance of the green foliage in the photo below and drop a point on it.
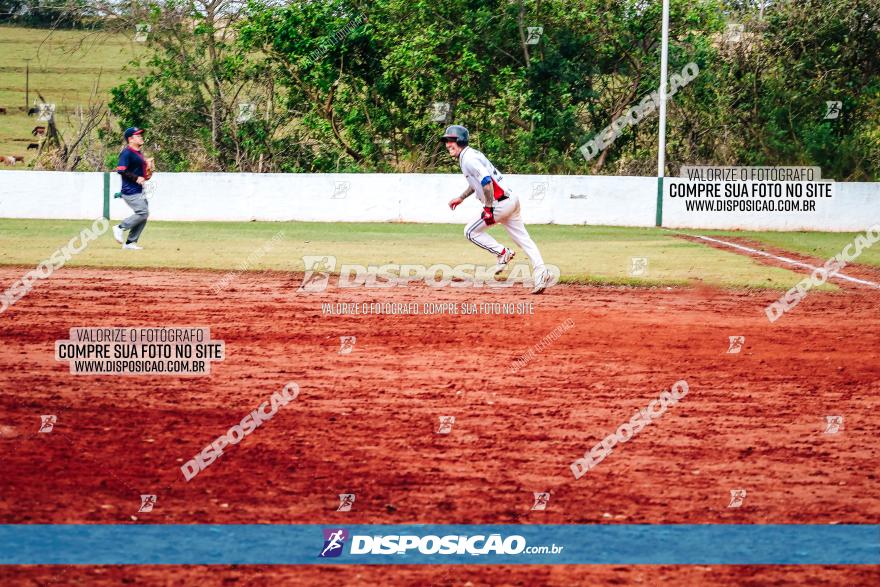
(769, 92)
(131, 103)
(347, 85)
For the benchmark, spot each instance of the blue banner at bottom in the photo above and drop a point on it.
(216, 544)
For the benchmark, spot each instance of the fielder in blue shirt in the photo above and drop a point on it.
(135, 170)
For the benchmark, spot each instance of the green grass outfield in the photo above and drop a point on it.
(822, 245)
(585, 254)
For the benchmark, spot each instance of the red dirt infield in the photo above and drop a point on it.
(366, 422)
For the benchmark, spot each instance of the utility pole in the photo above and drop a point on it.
(661, 143)
(27, 85)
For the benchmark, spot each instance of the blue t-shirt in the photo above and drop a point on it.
(133, 162)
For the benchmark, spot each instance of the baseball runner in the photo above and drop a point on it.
(500, 205)
(135, 171)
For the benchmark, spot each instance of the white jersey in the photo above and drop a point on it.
(475, 167)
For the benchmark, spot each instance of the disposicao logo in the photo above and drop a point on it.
(334, 540)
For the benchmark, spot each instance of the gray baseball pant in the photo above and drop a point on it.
(136, 222)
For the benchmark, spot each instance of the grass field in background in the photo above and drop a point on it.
(64, 67)
(822, 245)
(587, 254)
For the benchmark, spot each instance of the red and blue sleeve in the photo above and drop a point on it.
(123, 162)
(497, 192)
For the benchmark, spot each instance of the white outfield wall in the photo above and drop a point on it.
(331, 197)
(373, 197)
(51, 194)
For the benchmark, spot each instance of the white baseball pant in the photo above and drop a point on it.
(507, 214)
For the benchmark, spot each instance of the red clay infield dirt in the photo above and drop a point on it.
(366, 422)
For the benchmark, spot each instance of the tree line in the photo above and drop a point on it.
(355, 86)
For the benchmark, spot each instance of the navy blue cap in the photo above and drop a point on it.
(131, 131)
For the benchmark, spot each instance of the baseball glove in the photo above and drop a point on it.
(148, 168)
